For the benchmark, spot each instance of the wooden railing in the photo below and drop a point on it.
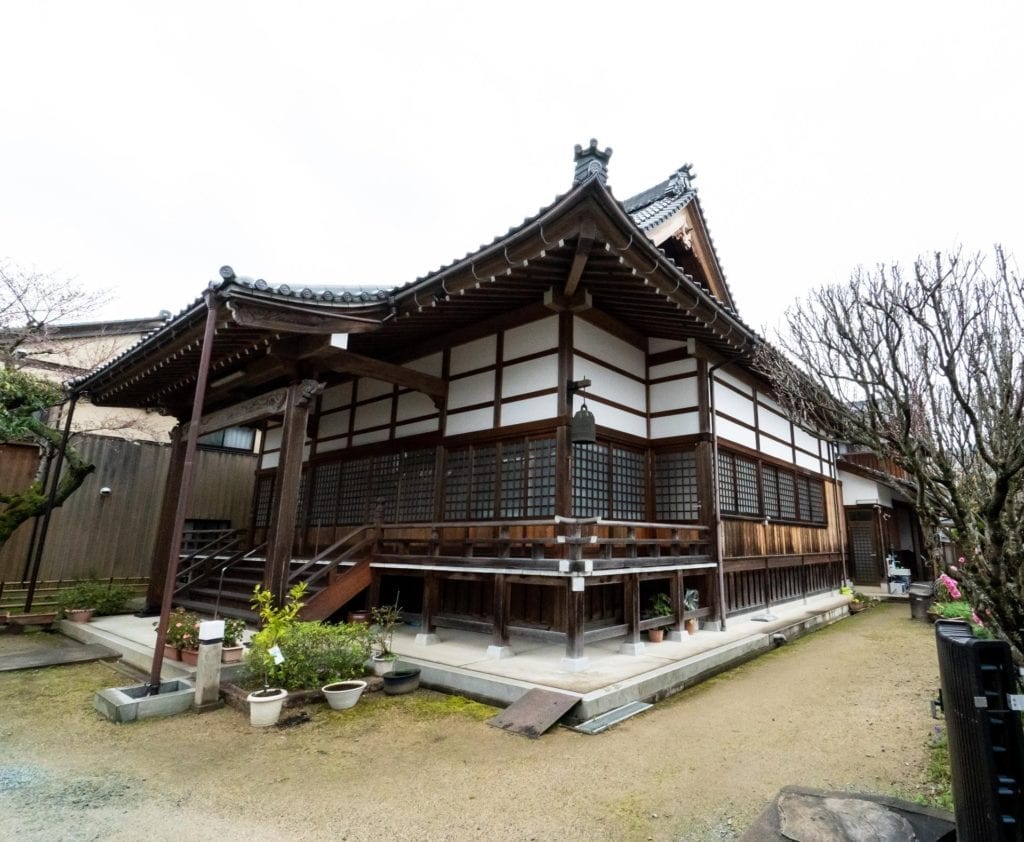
(756, 582)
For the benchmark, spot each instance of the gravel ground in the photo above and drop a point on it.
(845, 708)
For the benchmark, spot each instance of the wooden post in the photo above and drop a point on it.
(283, 513)
(165, 524)
(429, 603)
(573, 623)
(677, 587)
(631, 608)
(501, 606)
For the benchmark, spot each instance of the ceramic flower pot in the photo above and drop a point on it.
(691, 626)
(382, 666)
(656, 635)
(401, 680)
(172, 653)
(80, 615)
(341, 695)
(190, 657)
(265, 706)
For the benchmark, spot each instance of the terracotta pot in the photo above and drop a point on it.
(359, 617)
(656, 635)
(857, 607)
(172, 653)
(691, 626)
(80, 615)
(231, 654)
(190, 657)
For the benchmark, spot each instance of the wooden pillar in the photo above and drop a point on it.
(429, 603)
(631, 586)
(573, 622)
(677, 590)
(284, 511)
(501, 606)
(165, 523)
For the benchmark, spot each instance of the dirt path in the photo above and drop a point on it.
(845, 708)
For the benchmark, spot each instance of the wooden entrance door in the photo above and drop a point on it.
(864, 549)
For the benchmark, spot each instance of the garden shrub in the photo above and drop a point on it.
(314, 654)
(103, 597)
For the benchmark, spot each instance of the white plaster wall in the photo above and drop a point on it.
(603, 345)
(530, 409)
(470, 421)
(530, 376)
(273, 440)
(616, 419)
(772, 423)
(466, 391)
(811, 463)
(611, 385)
(857, 489)
(531, 338)
(678, 394)
(683, 424)
(776, 449)
(373, 414)
(270, 460)
(805, 440)
(336, 396)
(738, 406)
(737, 384)
(656, 345)
(336, 444)
(688, 365)
(726, 429)
(368, 438)
(414, 405)
(427, 425)
(473, 355)
(335, 424)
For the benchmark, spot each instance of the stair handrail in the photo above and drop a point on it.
(222, 565)
(225, 539)
(324, 555)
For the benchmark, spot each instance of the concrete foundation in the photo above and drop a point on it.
(424, 639)
(127, 704)
(632, 648)
(499, 652)
(574, 664)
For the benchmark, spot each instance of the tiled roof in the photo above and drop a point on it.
(656, 204)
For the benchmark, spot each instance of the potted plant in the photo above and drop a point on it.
(82, 601)
(182, 631)
(858, 602)
(385, 619)
(690, 603)
(232, 649)
(403, 678)
(661, 606)
(265, 704)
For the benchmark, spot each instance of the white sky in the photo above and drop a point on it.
(144, 145)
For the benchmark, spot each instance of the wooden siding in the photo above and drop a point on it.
(93, 535)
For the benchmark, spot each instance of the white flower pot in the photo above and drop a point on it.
(265, 706)
(341, 695)
(382, 666)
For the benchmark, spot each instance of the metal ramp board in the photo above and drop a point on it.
(612, 717)
(534, 712)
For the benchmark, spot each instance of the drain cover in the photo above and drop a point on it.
(613, 717)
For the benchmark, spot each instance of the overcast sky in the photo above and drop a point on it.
(144, 145)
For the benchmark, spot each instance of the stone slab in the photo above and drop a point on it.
(55, 656)
(534, 712)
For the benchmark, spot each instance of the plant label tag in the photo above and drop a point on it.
(1016, 701)
(276, 654)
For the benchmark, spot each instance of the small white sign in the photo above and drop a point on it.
(276, 654)
(211, 630)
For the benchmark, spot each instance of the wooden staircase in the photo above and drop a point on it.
(218, 579)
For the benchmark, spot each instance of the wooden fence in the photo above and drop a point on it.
(106, 536)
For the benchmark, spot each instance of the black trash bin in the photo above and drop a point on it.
(922, 594)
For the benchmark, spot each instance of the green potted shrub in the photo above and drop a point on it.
(265, 704)
(661, 606)
(858, 602)
(386, 619)
(89, 598)
(182, 633)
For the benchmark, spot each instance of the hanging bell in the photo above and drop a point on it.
(583, 429)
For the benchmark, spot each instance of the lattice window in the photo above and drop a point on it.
(747, 497)
(816, 495)
(787, 496)
(456, 484)
(481, 503)
(416, 489)
(354, 491)
(264, 496)
(513, 472)
(770, 488)
(385, 484)
(726, 482)
(675, 487)
(627, 501)
(325, 494)
(590, 480)
(540, 493)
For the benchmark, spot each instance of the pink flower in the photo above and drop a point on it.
(976, 619)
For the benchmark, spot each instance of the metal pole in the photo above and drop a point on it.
(184, 495)
(34, 575)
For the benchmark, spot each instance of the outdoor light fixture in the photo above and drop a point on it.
(105, 491)
(584, 428)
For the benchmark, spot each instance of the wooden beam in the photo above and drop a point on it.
(588, 232)
(267, 405)
(298, 318)
(346, 362)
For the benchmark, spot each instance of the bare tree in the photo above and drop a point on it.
(31, 303)
(926, 369)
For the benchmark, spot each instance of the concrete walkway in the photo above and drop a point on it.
(458, 662)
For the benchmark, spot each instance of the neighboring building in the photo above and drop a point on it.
(419, 441)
